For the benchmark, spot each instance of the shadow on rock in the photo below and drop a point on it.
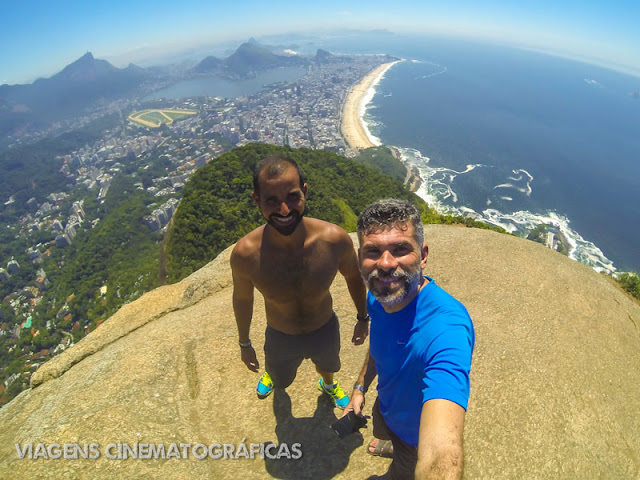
(324, 455)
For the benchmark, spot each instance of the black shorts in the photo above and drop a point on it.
(284, 353)
(405, 456)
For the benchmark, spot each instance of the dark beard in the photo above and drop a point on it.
(288, 230)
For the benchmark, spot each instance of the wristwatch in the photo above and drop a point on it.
(357, 386)
(246, 344)
(365, 319)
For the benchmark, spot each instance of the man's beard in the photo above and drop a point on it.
(288, 229)
(390, 297)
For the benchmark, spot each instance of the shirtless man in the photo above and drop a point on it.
(292, 261)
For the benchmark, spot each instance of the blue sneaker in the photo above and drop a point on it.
(265, 386)
(338, 397)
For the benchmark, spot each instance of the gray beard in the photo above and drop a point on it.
(390, 298)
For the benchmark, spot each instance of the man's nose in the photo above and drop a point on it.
(387, 261)
(284, 209)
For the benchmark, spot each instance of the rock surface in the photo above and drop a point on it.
(555, 378)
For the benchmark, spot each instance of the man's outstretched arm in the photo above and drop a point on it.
(440, 454)
(243, 310)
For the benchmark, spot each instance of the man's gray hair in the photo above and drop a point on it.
(388, 213)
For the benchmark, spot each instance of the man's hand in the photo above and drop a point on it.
(360, 332)
(248, 355)
(355, 403)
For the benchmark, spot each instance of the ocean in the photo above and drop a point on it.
(518, 138)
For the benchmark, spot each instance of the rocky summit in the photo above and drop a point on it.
(555, 381)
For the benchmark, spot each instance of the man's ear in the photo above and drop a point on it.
(304, 190)
(424, 253)
(256, 198)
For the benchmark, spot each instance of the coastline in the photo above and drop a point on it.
(352, 126)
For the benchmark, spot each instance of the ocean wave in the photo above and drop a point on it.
(441, 69)
(437, 190)
(595, 83)
(444, 70)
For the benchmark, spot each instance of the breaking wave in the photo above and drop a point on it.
(438, 191)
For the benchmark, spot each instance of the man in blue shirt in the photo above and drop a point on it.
(421, 342)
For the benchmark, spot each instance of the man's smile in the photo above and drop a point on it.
(388, 281)
(284, 221)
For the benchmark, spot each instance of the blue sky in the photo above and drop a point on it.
(38, 37)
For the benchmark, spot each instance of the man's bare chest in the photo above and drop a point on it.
(303, 272)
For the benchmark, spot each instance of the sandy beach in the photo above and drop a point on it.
(352, 128)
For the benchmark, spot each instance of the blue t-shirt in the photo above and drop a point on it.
(422, 352)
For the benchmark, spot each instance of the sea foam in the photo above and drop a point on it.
(437, 190)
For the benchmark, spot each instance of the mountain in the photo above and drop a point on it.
(554, 380)
(85, 69)
(76, 89)
(322, 56)
(208, 65)
(247, 61)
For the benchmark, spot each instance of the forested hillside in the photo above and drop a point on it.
(217, 210)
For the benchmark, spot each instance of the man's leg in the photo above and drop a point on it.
(323, 347)
(326, 376)
(381, 433)
(282, 358)
(405, 456)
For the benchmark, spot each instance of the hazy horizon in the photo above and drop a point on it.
(47, 36)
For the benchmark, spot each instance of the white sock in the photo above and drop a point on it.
(328, 386)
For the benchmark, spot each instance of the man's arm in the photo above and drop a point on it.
(440, 452)
(348, 267)
(367, 374)
(243, 309)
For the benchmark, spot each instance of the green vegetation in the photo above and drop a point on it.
(630, 282)
(119, 252)
(540, 235)
(383, 160)
(175, 115)
(154, 117)
(431, 216)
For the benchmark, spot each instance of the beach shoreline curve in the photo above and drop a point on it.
(352, 126)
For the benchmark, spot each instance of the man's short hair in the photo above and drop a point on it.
(389, 213)
(273, 166)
